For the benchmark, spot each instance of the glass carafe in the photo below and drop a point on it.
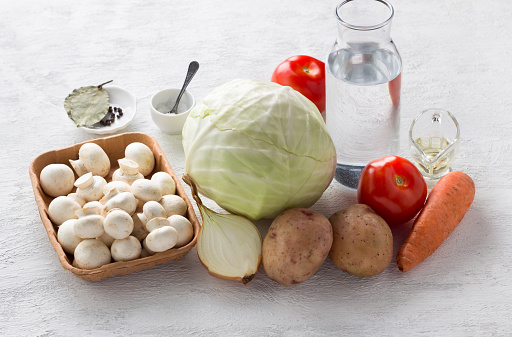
(363, 80)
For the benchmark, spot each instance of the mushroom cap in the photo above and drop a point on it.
(91, 253)
(142, 218)
(84, 181)
(126, 249)
(153, 209)
(57, 179)
(106, 239)
(161, 239)
(93, 207)
(90, 187)
(184, 228)
(122, 200)
(118, 224)
(165, 181)
(66, 236)
(89, 227)
(157, 222)
(61, 209)
(146, 190)
(139, 229)
(121, 186)
(173, 204)
(94, 159)
(81, 201)
(142, 155)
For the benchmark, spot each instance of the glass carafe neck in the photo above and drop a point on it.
(364, 21)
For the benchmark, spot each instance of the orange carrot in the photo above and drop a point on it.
(444, 209)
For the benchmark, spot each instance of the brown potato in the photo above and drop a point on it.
(363, 242)
(297, 243)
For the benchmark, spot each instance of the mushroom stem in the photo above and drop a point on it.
(128, 166)
(84, 181)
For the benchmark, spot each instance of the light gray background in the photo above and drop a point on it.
(456, 55)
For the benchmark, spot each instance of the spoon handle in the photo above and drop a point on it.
(192, 69)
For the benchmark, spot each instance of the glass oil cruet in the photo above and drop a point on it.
(434, 138)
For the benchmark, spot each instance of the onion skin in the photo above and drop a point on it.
(229, 221)
(245, 280)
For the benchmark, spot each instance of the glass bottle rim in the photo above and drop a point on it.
(366, 27)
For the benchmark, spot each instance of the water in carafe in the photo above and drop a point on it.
(363, 81)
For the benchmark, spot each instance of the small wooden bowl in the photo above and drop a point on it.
(114, 146)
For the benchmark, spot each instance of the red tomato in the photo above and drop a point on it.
(304, 74)
(394, 188)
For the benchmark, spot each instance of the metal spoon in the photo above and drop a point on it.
(192, 69)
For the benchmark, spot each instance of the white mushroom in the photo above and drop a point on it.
(120, 185)
(165, 181)
(142, 155)
(81, 201)
(161, 239)
(91, 253)
(90, 221)
(145, 250)
(61, 209)
(94, 207)
(184, 228)
(156, 223)
(153, 209)
(89, 227)
(139, 228)
(173, 204)
(124, 200)
(106, 239)
(66, 237)
(126, 249)
(142, 219)
(118, 224)
(90, 187)
(127, 172)
(56, 179)
(146, 190)
(91, 158)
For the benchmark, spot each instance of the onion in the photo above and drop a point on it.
(228, 246)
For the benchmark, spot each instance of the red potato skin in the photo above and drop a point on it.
(444, 209)
(296, 245)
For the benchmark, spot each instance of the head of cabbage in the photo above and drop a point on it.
(257, 148)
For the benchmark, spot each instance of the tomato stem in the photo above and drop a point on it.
(306, 70)
(399, 180)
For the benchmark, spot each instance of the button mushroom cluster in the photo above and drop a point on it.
(133, 216)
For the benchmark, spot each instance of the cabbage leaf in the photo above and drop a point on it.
(257, 148)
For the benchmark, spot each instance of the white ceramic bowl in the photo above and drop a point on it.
(171, 123)
(118, 97)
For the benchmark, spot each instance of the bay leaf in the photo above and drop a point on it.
(87, 105)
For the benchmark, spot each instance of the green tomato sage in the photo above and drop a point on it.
(257, 148)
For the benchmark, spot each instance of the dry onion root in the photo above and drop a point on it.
(228, 245)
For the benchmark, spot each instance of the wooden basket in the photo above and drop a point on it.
(114, 146)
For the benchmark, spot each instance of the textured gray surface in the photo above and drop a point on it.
(456, 55)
